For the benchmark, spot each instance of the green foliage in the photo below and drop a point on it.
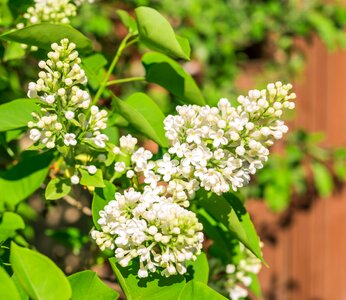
(323, 179)
(94, 69)
(101, 197)
(56, 189)
(158, 287)
(196, 290)
(43, 35)
(30, 266)
(8, 289)
(157, 34)
(144, 115)
(88, 179)
(231, 213)
(304, 166)
(9, 224)
(164, 71)
(19, 117)
(229, 35)
(23, 179)
(87, 286)
(127, 20)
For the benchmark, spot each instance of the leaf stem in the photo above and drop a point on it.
(123, 80)
(117, 55)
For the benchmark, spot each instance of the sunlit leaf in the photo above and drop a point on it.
(38, 275)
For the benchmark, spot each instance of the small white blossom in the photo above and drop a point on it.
(128, 143)
(70, 139)
(119, 167)
(69, 115)
(239, 276)
(75, 179)
(92, 169)
(35, 134)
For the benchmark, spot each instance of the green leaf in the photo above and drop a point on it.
(57, 188)
(23, 179)
(87, 286)
(199, 268)
(184, 44)
(127, 20)
(255, 286)
(167, 73)
(157, 34)
(101, 197)
(23, 295)
(231, 213)
(11, 117)
(196, 290)
(14, 51)
(323, 179)
(95, 180)
(157, 287)
(144, 115)
(93, 66)
(9, 223)
(8, 289)
(220, 236)
(277, 197)
(44, 34)
(38, 275)
(4, 78)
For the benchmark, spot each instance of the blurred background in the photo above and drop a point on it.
(298, 201)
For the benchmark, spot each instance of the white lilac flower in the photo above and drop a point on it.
(81, 2)
(60, 86)
(70, 139)
(92, 169)
(239, 276)
(100, 140)
(35, 134)
(119, 167)
(46, 128)
(51, 11)
(222, 146)
(150, 227)
(69, 115)
(75, 179)
(128, 143)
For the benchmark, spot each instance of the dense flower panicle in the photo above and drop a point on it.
(147, 225)
(222, 146)
(67, 105)
(52, 11)
(239, 276)
(215, 148)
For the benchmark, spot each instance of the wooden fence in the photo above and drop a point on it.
(307, 257)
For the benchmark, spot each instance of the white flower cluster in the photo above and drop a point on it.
(51, 11)
(239, 276)
(66, 107)
(222, 146)
(151, 227)
(212, 148)
(215, 148)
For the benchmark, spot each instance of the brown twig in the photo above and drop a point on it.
(75, 203)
